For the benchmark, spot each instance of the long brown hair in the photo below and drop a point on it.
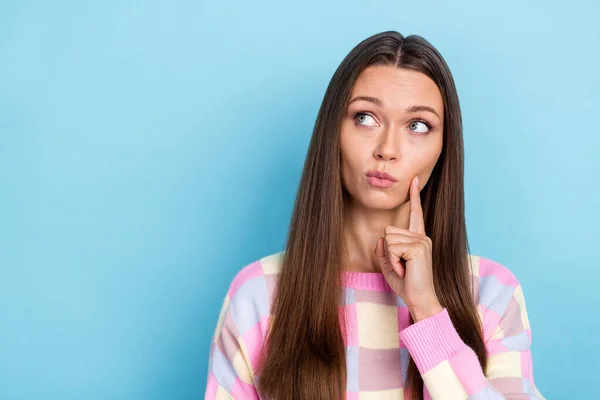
(304, 353)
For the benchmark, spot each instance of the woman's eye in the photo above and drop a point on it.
(415, 125)
(361, 117)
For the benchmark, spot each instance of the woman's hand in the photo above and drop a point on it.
(405, 259)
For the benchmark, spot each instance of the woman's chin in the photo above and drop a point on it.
(380, 201)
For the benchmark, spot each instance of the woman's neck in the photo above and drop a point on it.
(362, 228)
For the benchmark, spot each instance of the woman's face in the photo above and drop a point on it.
(398, 129)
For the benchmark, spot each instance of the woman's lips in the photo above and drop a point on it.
(379, 182)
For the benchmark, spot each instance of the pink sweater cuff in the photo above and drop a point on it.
(432, 340)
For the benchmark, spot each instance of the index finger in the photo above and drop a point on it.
(417, 224)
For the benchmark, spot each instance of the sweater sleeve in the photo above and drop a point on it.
(229, 369)
(450, 369)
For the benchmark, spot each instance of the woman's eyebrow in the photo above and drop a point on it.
(411, 109)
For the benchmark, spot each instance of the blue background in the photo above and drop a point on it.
(149, 150)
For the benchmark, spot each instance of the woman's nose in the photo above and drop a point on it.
(388, 147)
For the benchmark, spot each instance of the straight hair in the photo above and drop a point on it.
(304, 353)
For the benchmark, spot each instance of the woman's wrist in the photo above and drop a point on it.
(421, 313)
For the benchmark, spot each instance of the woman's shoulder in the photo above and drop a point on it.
(483, 267)
(257, 274)
(251, 290)
(245, 314)
(494, 283)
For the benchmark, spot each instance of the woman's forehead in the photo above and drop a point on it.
(397, 88)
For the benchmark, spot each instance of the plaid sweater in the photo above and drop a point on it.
(380, 339)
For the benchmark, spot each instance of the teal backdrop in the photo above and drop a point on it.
(151, 149)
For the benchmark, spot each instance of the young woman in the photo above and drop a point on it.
(376, 295)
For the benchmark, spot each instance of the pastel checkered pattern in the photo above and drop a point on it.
(380, 339)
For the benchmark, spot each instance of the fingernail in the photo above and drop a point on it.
(417, 181)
